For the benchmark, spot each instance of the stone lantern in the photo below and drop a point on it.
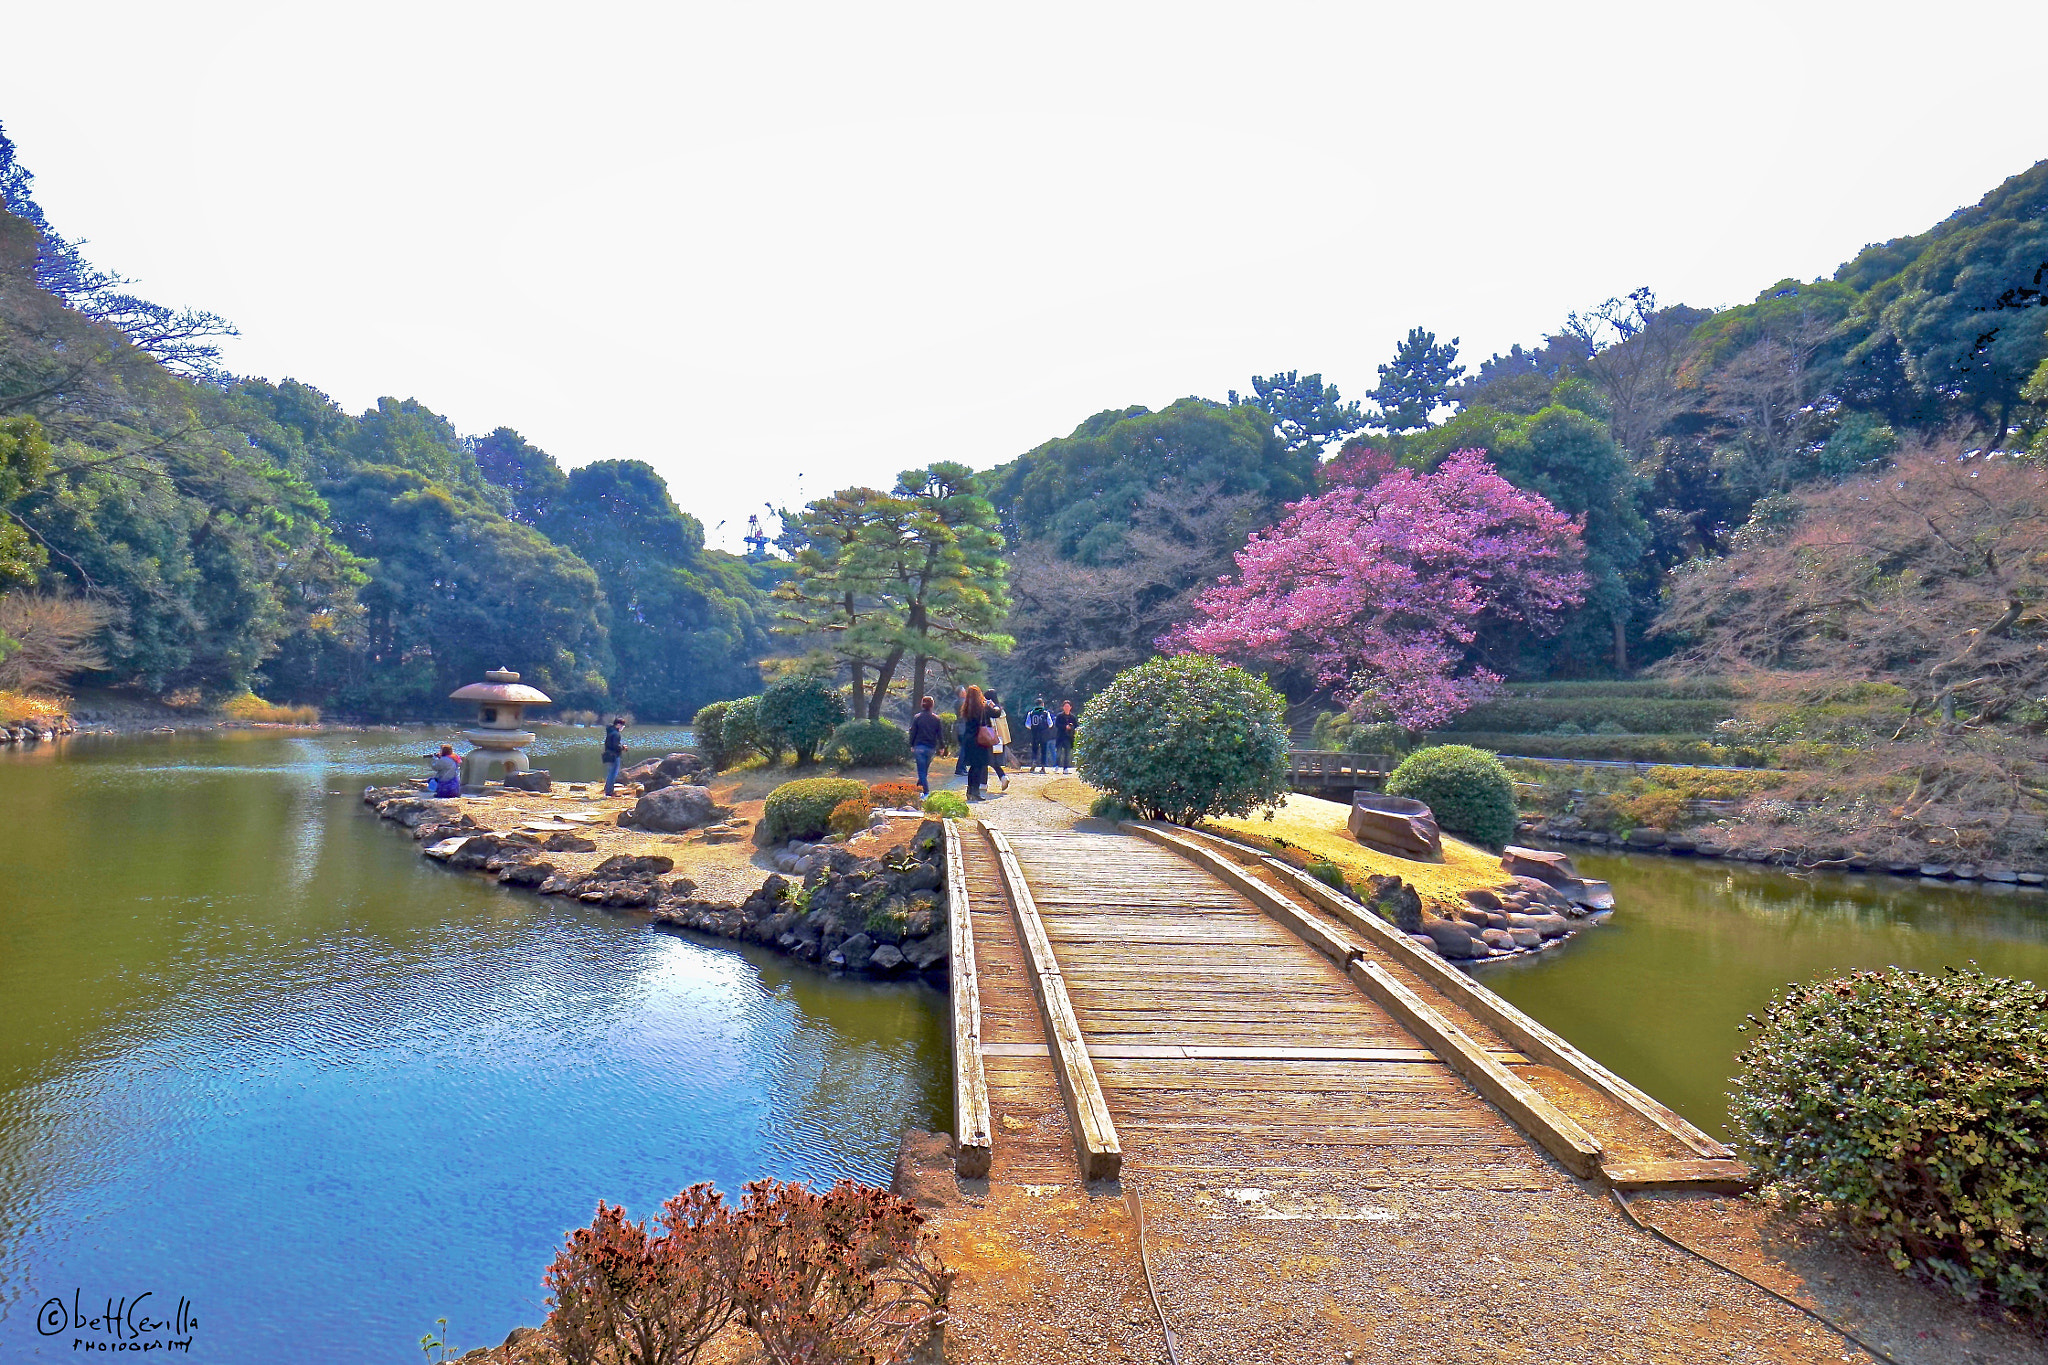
(500, 745)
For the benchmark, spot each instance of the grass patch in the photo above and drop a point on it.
(1308, 830)
(16, 707)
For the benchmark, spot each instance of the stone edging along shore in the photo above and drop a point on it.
(882, 917)
(1692, 845)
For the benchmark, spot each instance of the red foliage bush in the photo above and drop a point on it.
(896, 795)
(840, 1276)
(624, 1298)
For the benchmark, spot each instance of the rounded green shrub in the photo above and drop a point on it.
(946, 805)
(803, 809)
(871, 744)
(1184, 738)
(802, 712)
(743, 732)
(1913, 1109)
(1467, 789)
(851, 815)
(708, 731)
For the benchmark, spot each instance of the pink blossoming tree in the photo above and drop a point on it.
(1381, 582)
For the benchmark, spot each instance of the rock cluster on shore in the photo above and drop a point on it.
(1523, 915)
(879, 917)
(1710, 842)
(36, 731)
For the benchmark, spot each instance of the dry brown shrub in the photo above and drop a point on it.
(54, 636)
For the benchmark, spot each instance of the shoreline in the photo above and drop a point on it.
(1688, 844)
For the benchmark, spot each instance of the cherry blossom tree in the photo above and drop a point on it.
(1381, 582)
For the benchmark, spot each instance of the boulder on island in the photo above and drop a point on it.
(657, 774)
(674, 809)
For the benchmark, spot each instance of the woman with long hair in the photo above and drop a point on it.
(974, 728)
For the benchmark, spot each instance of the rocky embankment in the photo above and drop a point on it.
(37, 731)
(842, 912)
(1712, 842)
(1525, 914)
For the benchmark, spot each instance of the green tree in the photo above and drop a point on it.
(25, 461)
(1417, 381)
(528, 473)
(1080, 494)
(802, 711)
(1307, 413)
(684, 624)
(915, 575)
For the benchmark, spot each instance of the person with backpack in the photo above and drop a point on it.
(1038, 723)
(614, 752)
(447, 779)
(1063, 726)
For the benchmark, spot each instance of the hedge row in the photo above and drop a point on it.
(1684, 749)
(1655, 689)
(1631, 715)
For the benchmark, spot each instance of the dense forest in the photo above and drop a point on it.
(219, 535)
(203, 535)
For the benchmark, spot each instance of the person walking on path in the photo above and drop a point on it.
(960, 731)
(1038, 722)
(977, 741)
(614, 752)
(925, 734)
(447, 780)
(1063, 726)
(999, 759)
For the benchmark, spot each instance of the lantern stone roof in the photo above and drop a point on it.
(503, 687)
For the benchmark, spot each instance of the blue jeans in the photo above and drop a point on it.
(924, 754)
(611, 773)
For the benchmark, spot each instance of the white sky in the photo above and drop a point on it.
(778, 249)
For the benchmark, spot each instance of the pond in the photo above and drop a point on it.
(258, 1054)
(1659, 990)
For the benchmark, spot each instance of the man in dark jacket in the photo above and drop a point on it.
(1063, 726)
(1038, 722)
(614, 752)
(926, 731)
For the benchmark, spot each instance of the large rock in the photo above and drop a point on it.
(659, 774)
(529, 780)
(677, 808)
(927, 953)
(1543, 893)
(886, 959)
(853, 954)
(622, 865)
(565, 841)
(1451, 940)
(1555, 868)
(531, 872)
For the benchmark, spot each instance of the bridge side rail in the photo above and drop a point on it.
(1095, 1140)
(1557, 1132)
(1535, 1041)
(972, 1128)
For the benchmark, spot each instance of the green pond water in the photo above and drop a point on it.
(258, 1055)
(1659, 990)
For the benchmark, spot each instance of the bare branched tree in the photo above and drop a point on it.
(47, 638)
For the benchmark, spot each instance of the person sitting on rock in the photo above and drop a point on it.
(447, 779)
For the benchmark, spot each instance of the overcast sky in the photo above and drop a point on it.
(775, 250)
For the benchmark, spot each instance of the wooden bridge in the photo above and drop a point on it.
(1330, 773)
(1157, 999)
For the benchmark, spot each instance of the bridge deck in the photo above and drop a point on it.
(1212, 1029)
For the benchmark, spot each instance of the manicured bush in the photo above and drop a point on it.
(1467, 789)
(1630, 715)
(946, 805)
(1656, 689)
(802, 712)
(1622, 748)
(896, 794)
(1914, 1110)
(707, 729)
(1108, 807)
(851, 815)
(1338, 732)
(803, 809)
(1186, 737)
(871, 744)
(743, 731)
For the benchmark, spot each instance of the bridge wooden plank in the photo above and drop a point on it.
(972, 1142)
(1094, 1131)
